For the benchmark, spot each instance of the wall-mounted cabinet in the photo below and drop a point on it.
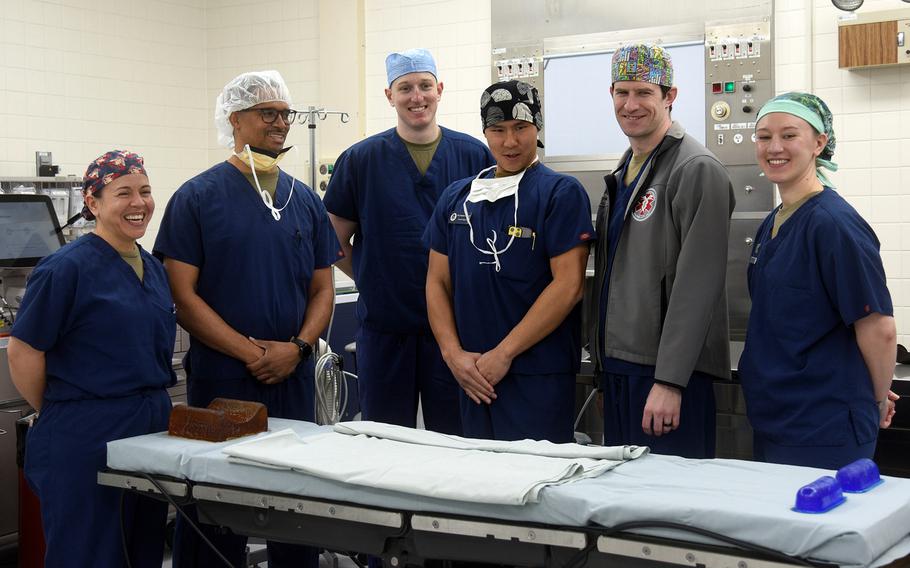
(874, 39)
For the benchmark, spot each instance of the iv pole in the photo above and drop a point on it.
(309, 118)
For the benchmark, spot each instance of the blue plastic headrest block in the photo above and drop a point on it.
(859, 476)
(820, 496)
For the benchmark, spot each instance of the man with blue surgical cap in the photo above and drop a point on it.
(382, 193)
(660, 332)
(249, 252)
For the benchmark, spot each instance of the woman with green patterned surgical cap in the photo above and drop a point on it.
(820, 347)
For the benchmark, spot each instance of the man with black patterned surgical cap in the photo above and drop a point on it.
(507, 265)
(660, 331)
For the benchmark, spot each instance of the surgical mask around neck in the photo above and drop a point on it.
(250, 154)
(491, 190)
(495, 188)
(259, 159)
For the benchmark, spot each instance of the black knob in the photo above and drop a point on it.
(747, 108)
(747, 87)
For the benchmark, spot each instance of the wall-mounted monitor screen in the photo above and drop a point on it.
(578, 110)
(29, 230)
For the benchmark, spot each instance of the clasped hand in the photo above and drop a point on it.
(478, 374)
(277, 361)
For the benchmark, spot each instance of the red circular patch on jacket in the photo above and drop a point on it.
(645, 206)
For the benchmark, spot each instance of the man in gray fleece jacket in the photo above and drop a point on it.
(660, 329)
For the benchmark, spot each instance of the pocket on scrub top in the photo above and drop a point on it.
(519, 262)
(865, 422)
(791, 311)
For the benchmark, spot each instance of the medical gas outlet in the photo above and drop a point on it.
(324, 174)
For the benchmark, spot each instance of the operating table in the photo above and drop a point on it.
(650, 512)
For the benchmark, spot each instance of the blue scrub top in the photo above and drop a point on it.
(488, 304)
(254, 271)
(803, 375)
(105, 333)
(376, 184)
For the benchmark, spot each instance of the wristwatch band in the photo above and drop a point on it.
(305, 348)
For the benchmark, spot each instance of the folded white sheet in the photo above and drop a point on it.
(431, 470)
(531, 447)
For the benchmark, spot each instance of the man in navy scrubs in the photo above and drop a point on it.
(507, 267)
(660, 312)
(382, 192)
(248, 250)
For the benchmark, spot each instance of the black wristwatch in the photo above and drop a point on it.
(305, 348)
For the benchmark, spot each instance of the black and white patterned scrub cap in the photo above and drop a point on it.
(510, 100)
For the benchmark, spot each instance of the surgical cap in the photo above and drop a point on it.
(814, 111)
(510, 100)
(642, 62)
(245, 91)
(105, 169)
(416, 60)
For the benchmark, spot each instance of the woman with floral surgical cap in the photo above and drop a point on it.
(820, 347)
(91, 350)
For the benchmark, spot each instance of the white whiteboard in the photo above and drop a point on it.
(578, 111)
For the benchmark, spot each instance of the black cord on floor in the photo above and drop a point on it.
(182, 513)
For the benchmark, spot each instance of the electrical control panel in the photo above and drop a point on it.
(524, 63)
(738, 81)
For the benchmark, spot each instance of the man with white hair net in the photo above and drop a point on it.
(382, 193)
(249, 252)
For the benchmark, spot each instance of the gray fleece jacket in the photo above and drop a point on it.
(667, 304)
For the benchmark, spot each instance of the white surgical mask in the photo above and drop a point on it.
(254, 159)
(493, 189)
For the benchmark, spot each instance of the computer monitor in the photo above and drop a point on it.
(29, 230)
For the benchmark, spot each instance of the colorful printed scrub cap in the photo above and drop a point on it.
(814, 111)
(642, 62)
(245, 91)
(105, 169)
(416, 60)
(510, 100)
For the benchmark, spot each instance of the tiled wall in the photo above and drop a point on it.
(457, 32)
(872, 124)
(248, 35)
(80, 77)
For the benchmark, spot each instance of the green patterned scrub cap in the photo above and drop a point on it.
(642, 62)
(814, 111)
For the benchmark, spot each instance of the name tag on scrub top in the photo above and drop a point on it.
(458, 219)
(522, 233)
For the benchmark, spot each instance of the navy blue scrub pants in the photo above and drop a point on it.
(292, 399)
(539, 407)
(824, 457)
(65, 450)
(624, 405)
(394, 371)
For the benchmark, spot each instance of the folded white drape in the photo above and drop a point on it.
(431, 464)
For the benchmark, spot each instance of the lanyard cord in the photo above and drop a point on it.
(491, 242)
(264, 195)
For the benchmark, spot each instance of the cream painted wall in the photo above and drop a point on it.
(871, 121)
(457, 32)
(80, 77)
